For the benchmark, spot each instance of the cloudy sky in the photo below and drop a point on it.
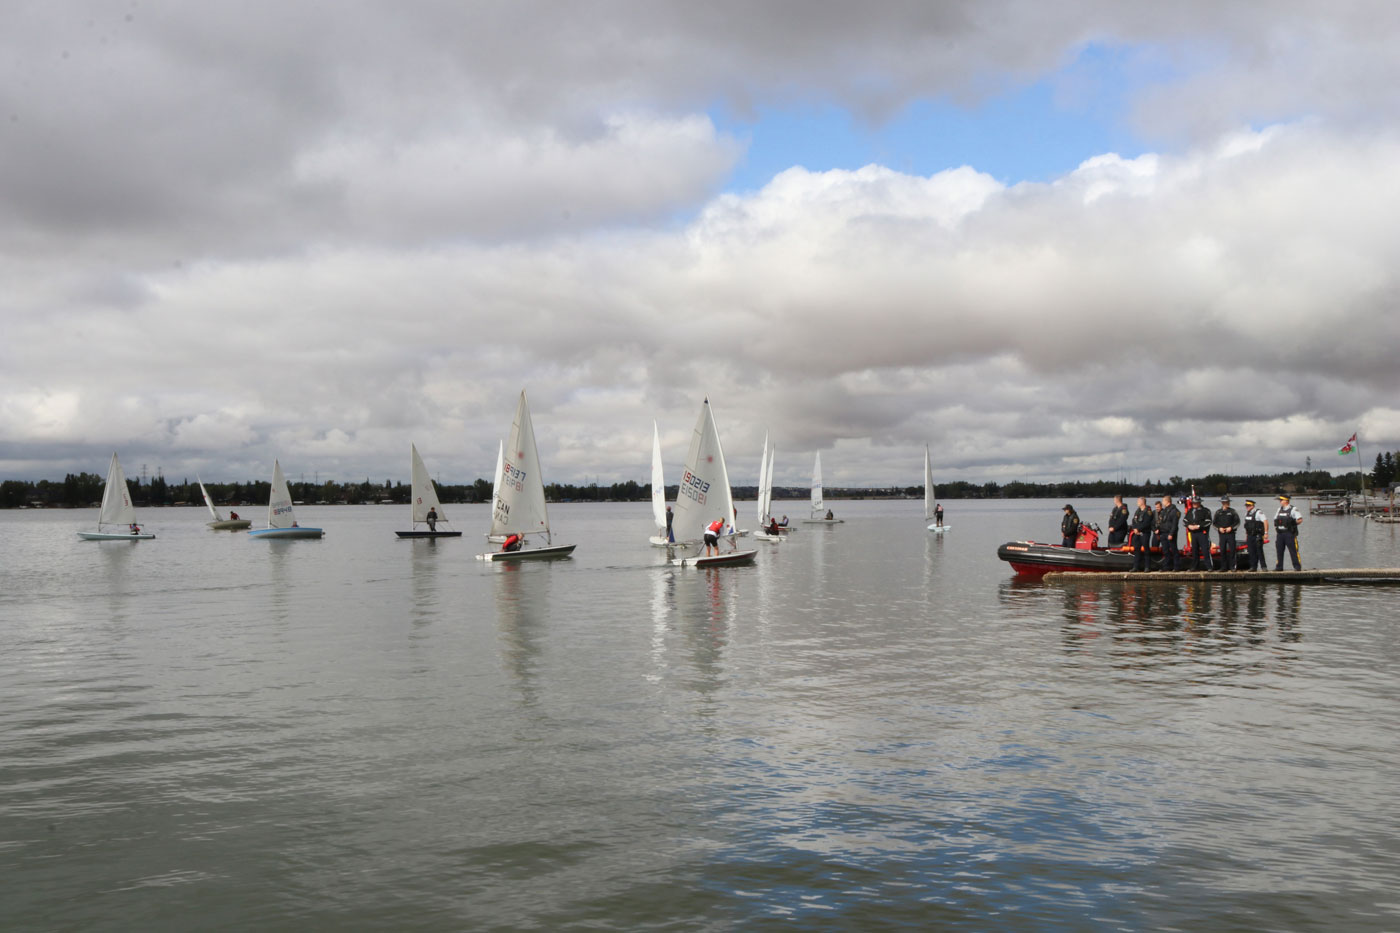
(1051, 240)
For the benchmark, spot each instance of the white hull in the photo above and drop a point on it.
(939, 529)
(287, 533)
(105, 536)
(552, 552)
(823, 521)
(719, 560)
(771, 539)
(231, 524)
(657, 541)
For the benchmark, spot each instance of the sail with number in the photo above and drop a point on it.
(817, 504)
(704, 486)
(279, 503)
(425, 497)
(519, 506)
(658, 481)
(116, 498)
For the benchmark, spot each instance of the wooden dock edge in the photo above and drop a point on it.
(1384, 575)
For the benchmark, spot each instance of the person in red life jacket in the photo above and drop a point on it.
(513, 543)
(773, 528)
(712, 533)
(233, 515)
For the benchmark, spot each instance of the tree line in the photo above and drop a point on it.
(85, 489)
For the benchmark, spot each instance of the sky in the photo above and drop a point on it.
(1074, 240)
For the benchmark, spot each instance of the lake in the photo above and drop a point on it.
(872, 726)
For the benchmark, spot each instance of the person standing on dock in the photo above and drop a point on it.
(1256, 533)
(1198, 528)
(1286, 530)
(1069, 526)
(1226, 520)
(1117, 522)
(1143, 523)
(1167, 523)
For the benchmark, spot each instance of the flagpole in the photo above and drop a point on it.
(1359, 466)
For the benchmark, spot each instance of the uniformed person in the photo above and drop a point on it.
(1167, 524)
(1141, 538)
(1069, 526)
(1226, 520)
(1198, 529)
(1286, 533)
(1117, 523)
(1256, 532)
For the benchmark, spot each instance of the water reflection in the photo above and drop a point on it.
(118, 562)
(522, 608)
(705, 611)
(423, 581)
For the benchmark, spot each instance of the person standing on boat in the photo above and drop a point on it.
(712, 533)
(670, 535)
(1198, 531)
(1256, 535)
(938, 515)
(1069, 526)
(1167, 524)
(1143, 522)
(1117, 522)
(1226, 520)
(1286, 529)
(431, 518)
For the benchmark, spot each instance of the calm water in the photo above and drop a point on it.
(872, 726)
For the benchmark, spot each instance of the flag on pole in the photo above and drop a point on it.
(1348, 447)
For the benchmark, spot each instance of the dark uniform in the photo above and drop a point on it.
(1256, 527)
(1226, 521)
(1143, 522)
(1199, 517)
(1117, 525)
(1286, 534)
(1069, 527)
(1167, 524)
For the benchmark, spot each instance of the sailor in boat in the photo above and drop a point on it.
(431, 519)
(670, 516)
(134, 528)
(829, 516)
(1256, 535)
(1143, 520)
(783, 523)
(712, 533)
(1117, 522)
(1069, 526)
(513, 542)
(233, 516)
(773, 528)
(938, 515)
(1226, 520)
(1167, 524)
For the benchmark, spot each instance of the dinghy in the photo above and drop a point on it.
(658, 492)
(425, 500)
(930, 500)
(281, 520)
(117, 510)
(519, 503)
(705, 496)
(220, 523)
(765, 495)
(818, 506)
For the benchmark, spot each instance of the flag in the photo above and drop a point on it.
(1348, 447)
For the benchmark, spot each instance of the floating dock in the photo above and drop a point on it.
(1382, 575)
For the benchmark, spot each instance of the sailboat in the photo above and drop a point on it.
(930, 500)
(281, 520)
(765, 494)
(116, 509)
(705, 495)
(818, 506)
(519, 507)
(658, 492)
(220, 523)
(425, 500)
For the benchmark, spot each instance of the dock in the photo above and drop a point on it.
(1379, 575)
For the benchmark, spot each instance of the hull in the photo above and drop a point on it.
(771, 539)
(734, 558)
(231, 524)
(823, 521)
(533, 553)
(286, 533)
(428, 534)
(939, 529)
(106, 536)
(657, 541)
(1030, 559)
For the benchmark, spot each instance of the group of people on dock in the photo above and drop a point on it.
(1156, 529)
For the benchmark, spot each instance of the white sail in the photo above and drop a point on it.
(279, 503)
(500, 462)
(762, 478)
(928, 486)
(658, 481)
(817, 504)
(704, 487)
(520, 504)
(208, 502)
(768, 484)
(116, 498)
(425, 497)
